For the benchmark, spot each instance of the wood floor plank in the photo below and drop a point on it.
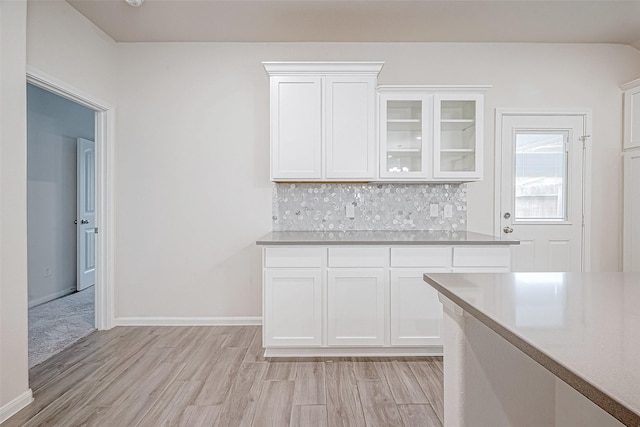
(343, 399)
(403, 384)
(281, 371)
(199, 416)
(309, 416)
(121, 387)
(274, 405)
(242, 337)
(240, 405)
(419, 416)
(310, 384)
(142, 396)
(378, 405)
(192, 339)
(255, 352)
(431, 380)
(168, 410)
(200, 362)
(364, 369)
(219, 381)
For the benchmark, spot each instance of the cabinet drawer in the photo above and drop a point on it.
(358, 257)
(293, 257)
(436, 256)
(482, 256)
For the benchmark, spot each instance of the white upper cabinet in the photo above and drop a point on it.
(457, 136)
(631, 114)
(350, 127)
(296, 127)
(431, 133)
(323, 120)
(405, 135)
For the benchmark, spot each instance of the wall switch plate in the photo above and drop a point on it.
(350, 211)
(434, 210)
(448, 211)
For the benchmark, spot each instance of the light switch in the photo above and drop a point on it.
(350, 211)
(448, 211)
(434, 211)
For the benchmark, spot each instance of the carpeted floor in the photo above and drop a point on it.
(55, 325)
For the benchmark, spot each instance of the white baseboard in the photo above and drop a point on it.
(51, 297)
(12, 408)
(186, 321)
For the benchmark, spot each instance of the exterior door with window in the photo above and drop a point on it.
(541, 197)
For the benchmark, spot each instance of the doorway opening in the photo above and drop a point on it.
(542, 165)
(60, 188)
(99, 233)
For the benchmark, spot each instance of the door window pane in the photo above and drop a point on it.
(541, 176)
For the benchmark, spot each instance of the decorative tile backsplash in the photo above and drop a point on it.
(313, 207)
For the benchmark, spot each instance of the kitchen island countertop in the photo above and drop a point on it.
(582, 327)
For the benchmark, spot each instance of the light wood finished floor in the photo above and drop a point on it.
(216, 376)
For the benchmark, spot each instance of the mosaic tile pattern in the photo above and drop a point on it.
(321, 207)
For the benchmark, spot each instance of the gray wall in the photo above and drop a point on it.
(53, 125)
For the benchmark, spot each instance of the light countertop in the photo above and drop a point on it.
(583, 327)
(381, 237)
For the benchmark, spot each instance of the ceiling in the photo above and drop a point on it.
(558, 21)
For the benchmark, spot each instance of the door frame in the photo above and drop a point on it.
(586, 169)
(104, 140)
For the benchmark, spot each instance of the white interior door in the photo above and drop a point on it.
(541, 195)
(86, 217)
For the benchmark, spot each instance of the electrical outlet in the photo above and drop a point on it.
(434, 211)
(350, 211)
(448, 211)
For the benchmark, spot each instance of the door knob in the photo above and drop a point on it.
(84, 221)
(507, 229)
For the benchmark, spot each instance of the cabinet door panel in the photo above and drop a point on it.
(416, 312)
(631, 248)
(296, 127)
(632, 118)
(292, 308)
(355, 300)
(458, 135)
(350, 130)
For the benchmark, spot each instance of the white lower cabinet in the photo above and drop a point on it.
(292, 307)
(364, 300)
(356, 307)
(416, 312)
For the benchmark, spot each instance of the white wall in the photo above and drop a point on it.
(53, 126)
(56, 39)
(13, 206)
(65, 45)
(193, 192)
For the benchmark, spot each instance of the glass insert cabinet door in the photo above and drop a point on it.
(458, 120)
(405, 135)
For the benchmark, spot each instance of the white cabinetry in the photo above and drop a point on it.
(631, 114)
(292, 296)
(361, 300)
(294, 299)
(296, 127)
(323, 120)
(431, 133)
(631, 232)
(355, 304)
(458, 136)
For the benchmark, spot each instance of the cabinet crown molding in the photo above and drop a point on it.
(323, 67)
(434, 88)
